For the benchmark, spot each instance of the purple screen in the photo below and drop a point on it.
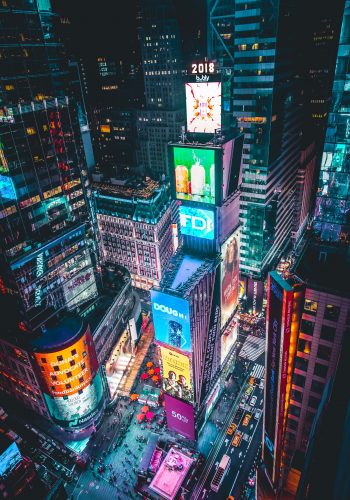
(180, 416)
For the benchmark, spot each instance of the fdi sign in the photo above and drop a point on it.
(197, 222)
(180, 417)
(171, 318)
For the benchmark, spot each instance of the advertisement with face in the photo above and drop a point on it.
(197, 222)
(180, 417)
(171, 319)
(176, 374)
(194, 174)
(229, 277)
(203, 107)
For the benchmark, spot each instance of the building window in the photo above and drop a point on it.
(72, 363)
(43, 360)
(304, 346)
(313, 402)
(74, 351)
(307, 327)
(324, 352)
(53, 377)
(292, 424)
(294, 410)
(331, 312)
(59, 358)
(317, 387)
(327, 333)
(320, 370)
(297, 396)
(56, 368)
(301, 364)
(68, 386)
(310, 307)
(299, 380)
(81, 380)
(69, 374)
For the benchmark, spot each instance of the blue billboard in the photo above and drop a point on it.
(171, 318)
(197, 222)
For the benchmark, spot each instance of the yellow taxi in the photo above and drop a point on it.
(246, 419)
(237, 439)
(231, 429)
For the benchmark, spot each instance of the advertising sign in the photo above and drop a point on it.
(228, 339)
(255, 295)
(176, 374)
(180, 417)
(229, 277)
(203, 106)
(171, 318)
(9, 458)
(194, 174)
(197, 222)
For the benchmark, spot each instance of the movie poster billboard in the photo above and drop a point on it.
(171, 319)
(176, 374)
(228, 339)
(194, 174)
(197, 222)
(203, 107)
(180, 417)
(229, 277)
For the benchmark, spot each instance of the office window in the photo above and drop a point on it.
(299, 380)
(310, 307)
(297, 396)
(331, 312)
(301, 364)
(307, 327)
(304, 346)
(324, 352)
(294, 410)
(327, 333)
(317, 387)
(313, 402)
(320, 370)
(292, 424)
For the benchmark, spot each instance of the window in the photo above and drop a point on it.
(72, 363)
(53, 377)
(327, 333)
(292, 424)
(68, 386)
(69, 374)
(310, 307)
(297, 396)
(299, 380)
(294, 410)
(320, 370)
(301, 364)
(60, 358)
(324, 352)
(74, 351)
(307, 326)
(81, 380)
(43, 360)
(56, 368)
(313, 402)
(317, 387)
(331, 312)
(304, 346)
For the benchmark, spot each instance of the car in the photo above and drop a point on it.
(249, 390)
(261, 384)
(237, 439)
(257, 414)
(246, 419)
(238, 415)
(253, 400)
(251, 381)
(231, 429)
(242, 403)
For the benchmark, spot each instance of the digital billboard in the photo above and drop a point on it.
(180, 416)
(229, 276)
(197, 222)
(203, 107)
(228, 339)
(9, 457)
(73, 385)
(194, 174)
(176, 374)
(171, 319)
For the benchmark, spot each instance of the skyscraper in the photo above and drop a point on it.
(164, 113)
(252, 44)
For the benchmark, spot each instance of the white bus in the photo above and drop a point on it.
(220, 473)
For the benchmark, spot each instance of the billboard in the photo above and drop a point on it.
(171, 319)
(194, 174)
(255, 295)
(180, 417)
(229, 276)
(203, 107)
(9, 458)
(176, 374)
(228, 339)
(73, 385)
(197, 222)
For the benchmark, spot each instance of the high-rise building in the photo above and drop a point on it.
(252, 45)
(164, 113)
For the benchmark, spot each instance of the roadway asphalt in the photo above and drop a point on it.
(242, 456)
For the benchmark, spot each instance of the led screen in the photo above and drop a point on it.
(180, 416)
(229, 277)
(228, 339)
(176, 374)
(195, 174)
(197, 222)
(171, 318)
(203, 107)
(9, 458)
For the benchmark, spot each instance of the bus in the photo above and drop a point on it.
(220, 473)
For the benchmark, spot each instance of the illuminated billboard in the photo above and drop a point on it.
(203, 107)
(73, 385)
(176, 374)
(228, 339)
(229, 277)
(180, 417)
(194, 174)
(171, 318)
(9, 457)
(197, 222)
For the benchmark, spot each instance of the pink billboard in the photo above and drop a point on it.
(180, 416)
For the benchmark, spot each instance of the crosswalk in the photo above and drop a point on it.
(252, 348)
(258, 371)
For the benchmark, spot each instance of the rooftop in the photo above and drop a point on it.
(132, 188)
